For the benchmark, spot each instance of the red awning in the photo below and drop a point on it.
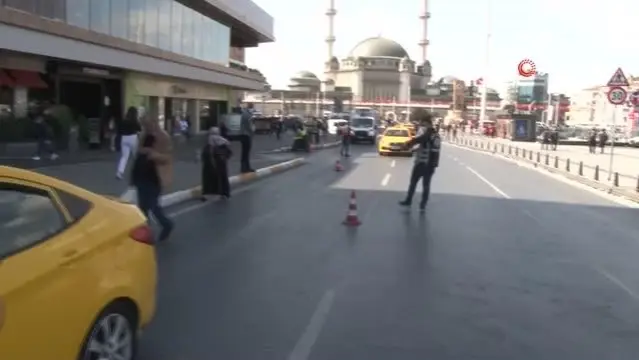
(5, 80)
(28, 79)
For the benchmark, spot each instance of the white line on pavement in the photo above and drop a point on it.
(386, 179)
(393, 163)
(617, 282)
(492, 186)
(304, 346)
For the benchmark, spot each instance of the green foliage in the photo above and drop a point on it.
(420, 115)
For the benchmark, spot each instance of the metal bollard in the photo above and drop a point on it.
(516, 151)
(568, 165)
(530, 155)
(502, 148)
(510, 149)
(556, 162)
(597, 173)
(581, 168)
(538, 157)
(637, 184)
(547, 160)
(523, 153)
(615, 180)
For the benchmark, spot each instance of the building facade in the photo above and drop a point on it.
(99, 57)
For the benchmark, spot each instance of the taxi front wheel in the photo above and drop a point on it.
(113, 335)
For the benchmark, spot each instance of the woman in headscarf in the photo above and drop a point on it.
(214, 156)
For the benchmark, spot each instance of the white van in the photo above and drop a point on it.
(364, 128)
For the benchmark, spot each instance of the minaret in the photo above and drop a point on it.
(330, 39)
(424, 42)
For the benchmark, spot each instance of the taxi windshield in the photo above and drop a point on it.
(396, 133)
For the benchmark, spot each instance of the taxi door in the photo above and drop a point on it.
(37, 236)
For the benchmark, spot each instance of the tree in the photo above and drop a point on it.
(420, 114)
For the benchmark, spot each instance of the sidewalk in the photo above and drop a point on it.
(572, 159)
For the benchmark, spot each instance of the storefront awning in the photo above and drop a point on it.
(5, 80)
(28, 79)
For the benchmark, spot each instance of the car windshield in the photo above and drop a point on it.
(396, 133)
(362, 122)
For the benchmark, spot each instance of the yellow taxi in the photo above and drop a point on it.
(77, 271)
(393, 141)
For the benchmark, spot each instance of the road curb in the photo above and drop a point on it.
(313, 147)
(195, 192)
(579, 179)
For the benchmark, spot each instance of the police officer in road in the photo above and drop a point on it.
(426, 161)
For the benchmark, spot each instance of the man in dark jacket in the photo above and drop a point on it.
(426, 161)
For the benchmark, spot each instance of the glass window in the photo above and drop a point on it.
(151, 23)
(187, 32)
(52, 9)
(27, 217)
(78, 13)
(164, 25)
(100, 16)
(198, 35)
(119, 16)
(223, 45)
(207, 35)
(24, 5)
(176, 27)
(136, 20)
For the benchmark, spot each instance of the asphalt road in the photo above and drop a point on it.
(506, 264)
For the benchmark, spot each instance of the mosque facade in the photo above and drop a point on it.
(377, 72)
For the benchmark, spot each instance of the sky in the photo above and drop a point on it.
(579, 43)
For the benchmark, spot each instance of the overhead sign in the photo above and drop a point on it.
(618, 79)
(617, 95)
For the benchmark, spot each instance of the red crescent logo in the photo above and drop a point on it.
(526, 68)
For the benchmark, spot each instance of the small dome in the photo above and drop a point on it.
(448, 80)
(379, 47)
(305, 75)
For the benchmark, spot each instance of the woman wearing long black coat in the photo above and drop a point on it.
(215, 175)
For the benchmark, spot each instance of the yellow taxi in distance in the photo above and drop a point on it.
(393, 141)
(77, 271)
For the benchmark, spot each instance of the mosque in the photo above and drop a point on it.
(377, 72)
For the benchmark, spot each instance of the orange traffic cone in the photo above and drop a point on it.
(351, 216)
(339, 166)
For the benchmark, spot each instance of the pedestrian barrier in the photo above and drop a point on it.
(615, 182)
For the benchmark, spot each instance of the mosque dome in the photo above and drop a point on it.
(378, 47)
(305, 75)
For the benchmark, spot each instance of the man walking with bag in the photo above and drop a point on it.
(152, 172)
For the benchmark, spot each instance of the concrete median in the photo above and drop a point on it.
(578, 167)
(195, 192)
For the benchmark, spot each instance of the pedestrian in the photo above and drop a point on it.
(246, 138)
(215, 176)
(426, 161)
(128, 131)
(152, 173)
(603, 139)
(592, 141)
(346, 133)
(44, 138)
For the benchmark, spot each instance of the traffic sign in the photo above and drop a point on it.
(617, 95)
(618, 79)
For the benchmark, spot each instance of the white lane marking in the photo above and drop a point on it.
(386, 179)
(194, 207)
(612, 198)
(617, 282)
(492, 186)
(393, 163)
(302, 349)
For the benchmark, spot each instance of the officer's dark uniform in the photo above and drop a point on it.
(426, 161)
